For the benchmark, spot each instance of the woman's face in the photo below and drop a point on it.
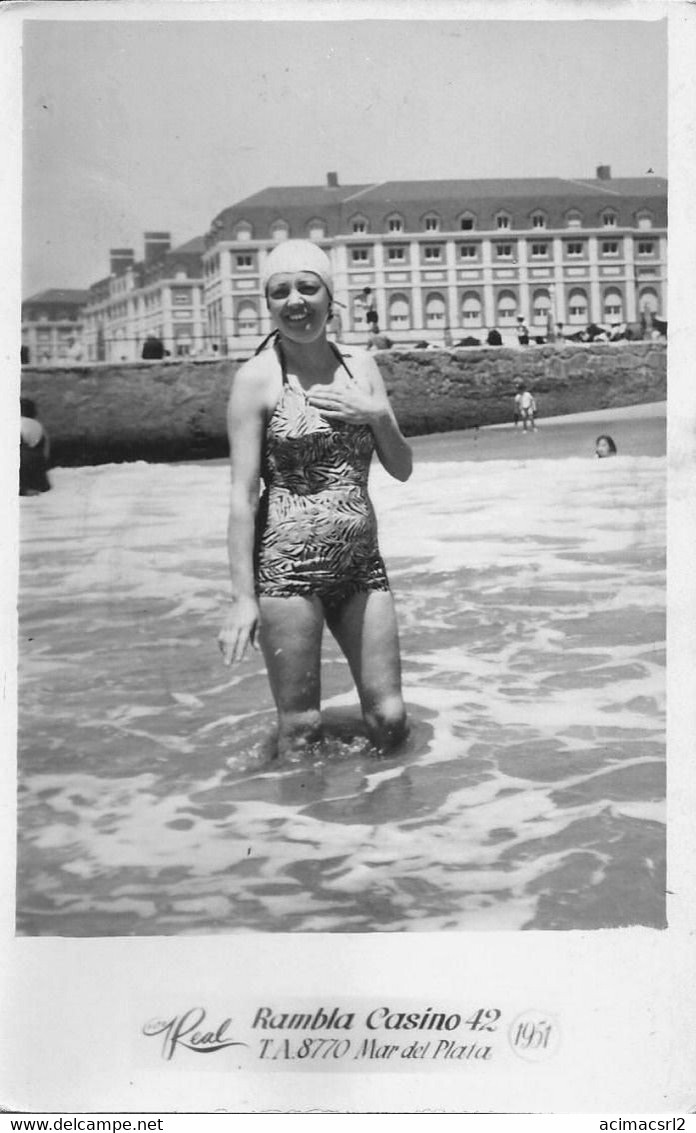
(299, 304)
(603, 447)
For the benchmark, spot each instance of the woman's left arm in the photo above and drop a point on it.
(393, 450)
(365, 402)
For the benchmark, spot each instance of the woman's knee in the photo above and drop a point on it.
(386, 720)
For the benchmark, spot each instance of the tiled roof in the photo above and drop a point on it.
(520, 197)
(59, 295)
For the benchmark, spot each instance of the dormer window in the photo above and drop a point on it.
(316, 230)
(609, 219)
(538, 220)
(467, 222)
(502, 220)
(243, 231)
(395, 224)
(359, 225)
(280, 230)
(431, 223)
(644, 219)
(573, 219)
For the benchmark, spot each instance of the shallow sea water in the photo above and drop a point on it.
(530, 794)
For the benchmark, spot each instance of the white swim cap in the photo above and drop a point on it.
(298, 255)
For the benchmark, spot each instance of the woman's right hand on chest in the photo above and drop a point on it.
(239, 630)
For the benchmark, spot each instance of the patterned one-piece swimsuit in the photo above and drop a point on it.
(316, 529)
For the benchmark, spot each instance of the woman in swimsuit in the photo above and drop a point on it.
(305, 418)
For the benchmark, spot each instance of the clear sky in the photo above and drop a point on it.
(132, 125)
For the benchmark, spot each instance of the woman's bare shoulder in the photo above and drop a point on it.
(254, 381)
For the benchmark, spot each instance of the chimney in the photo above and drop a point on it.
(120, 259)
(332, 180)
(157, 244)
(604, 172)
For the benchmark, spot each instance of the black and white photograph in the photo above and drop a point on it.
(342, 491)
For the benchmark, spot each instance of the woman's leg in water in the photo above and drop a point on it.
(290, 637)
(365, 628)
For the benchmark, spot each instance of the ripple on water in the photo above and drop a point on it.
(529, 793)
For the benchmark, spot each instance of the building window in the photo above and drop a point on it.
(399, 313)
(538, 220)
(358, 312)
(467, 222)
(433, 253)
(573, 218)
(468, 252)
(360, 255)
(577, 307)
(245, 261)
(359, 225)
(432, 224)
(644, 219)
(609, 220)
(648, 300)
(395, 224)
(610, 247)
(507, 309)
(280, 230)
(503, 251)
(541, 307)
(396, 255)
(434, 311)
(646, 248)
(613, 306)
(181, 297)
(247, 319)
(540, 251)
(316, 230)
(502, 220)
(471, 310)
(575, 248)
(243, 231)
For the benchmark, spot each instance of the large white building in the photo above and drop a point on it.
(449, 259)
(160, 296)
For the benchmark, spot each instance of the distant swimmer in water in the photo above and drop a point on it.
(604, 446)
(305, 417)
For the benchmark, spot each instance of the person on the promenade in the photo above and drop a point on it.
(305, 418)
(526, 409)
(371, 316)
(494, 337)
(605, 446)
(34, 452)
(378, 341)
(522, 331)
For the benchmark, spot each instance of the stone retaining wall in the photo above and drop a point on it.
(176, 410)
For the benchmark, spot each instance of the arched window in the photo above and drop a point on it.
(316, 230)
(613, 305)
(577, 307)
(507, 309)
(395, 223)
(471, 310)
(247, 319)
(435, 311)
(609, 218)
(573, 218)
(431, 222)
(541, 306)
(648, 300)
(359, 225)
(467, 222)
(280, 230)
(644, 219)
(399, 313)
(503, 220)
(538, 219)
(243, 230)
